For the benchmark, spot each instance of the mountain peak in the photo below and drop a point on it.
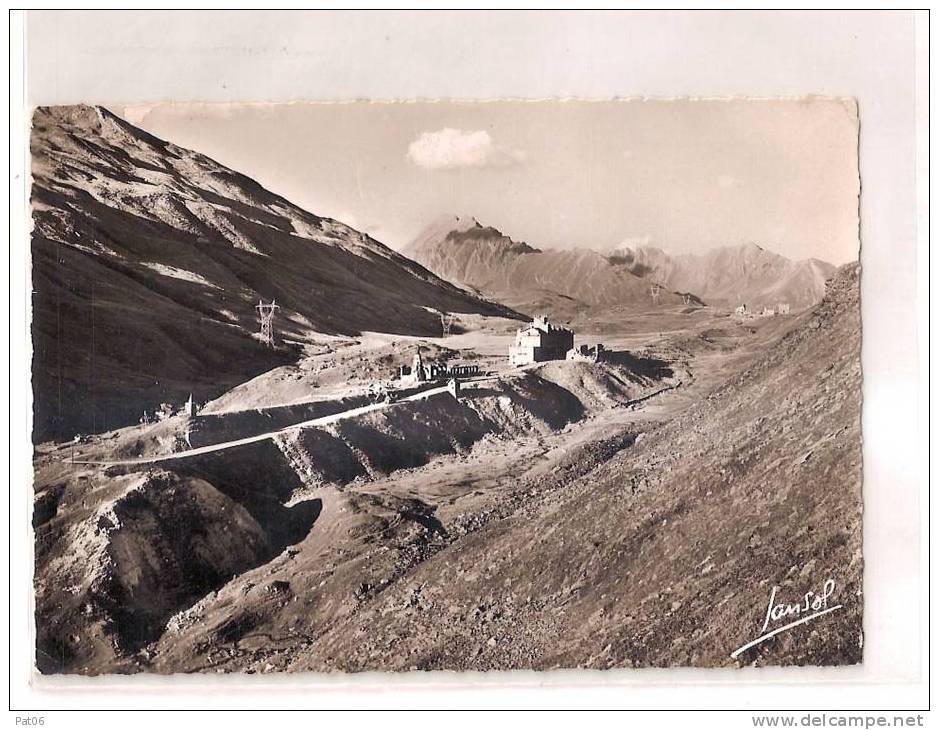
(82, 116)
(483, 258)
(452, 229)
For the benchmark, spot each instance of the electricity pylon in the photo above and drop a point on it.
(446, 322)
(266, 315)
(656, 290)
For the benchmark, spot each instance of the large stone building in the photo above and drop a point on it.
(540, 341)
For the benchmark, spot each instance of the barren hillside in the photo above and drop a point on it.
(632, 513)
(149, 259)
(152, 565)
(665, 554)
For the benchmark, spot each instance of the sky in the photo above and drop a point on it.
(685, 175)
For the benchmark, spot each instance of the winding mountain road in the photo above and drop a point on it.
(223, 445)
(312, 423)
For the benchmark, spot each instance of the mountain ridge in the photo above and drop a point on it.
(732, 274)
(484, 259)
(148, 263)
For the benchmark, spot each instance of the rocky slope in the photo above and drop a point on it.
(149, 259)
(536, 523)
(732, 275)
(561, 283)
(163, 565)
(666, 553)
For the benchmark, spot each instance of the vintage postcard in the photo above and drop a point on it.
(446, 386)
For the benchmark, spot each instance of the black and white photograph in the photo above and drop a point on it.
(544, 433)
(405, 387)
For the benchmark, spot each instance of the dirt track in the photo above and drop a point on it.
(224, 445)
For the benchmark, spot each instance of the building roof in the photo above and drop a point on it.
(543, 324)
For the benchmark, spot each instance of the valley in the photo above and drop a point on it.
(357, 520)
(365, 482)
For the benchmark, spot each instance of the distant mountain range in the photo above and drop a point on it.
(148, 263)
(482, 258)
(732, 275)
(485, 260)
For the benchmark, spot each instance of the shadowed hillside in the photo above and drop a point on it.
(149, 260)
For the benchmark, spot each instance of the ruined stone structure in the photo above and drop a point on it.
(587, 353)
(540, 341)
(741, 311)
(769, 312)
(416, 372)
(782, 309)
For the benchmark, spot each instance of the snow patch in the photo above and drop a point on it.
(176, 273)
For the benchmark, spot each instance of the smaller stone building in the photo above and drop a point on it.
(587, 353)
(420, 372)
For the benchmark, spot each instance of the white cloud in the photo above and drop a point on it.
(448, 149)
